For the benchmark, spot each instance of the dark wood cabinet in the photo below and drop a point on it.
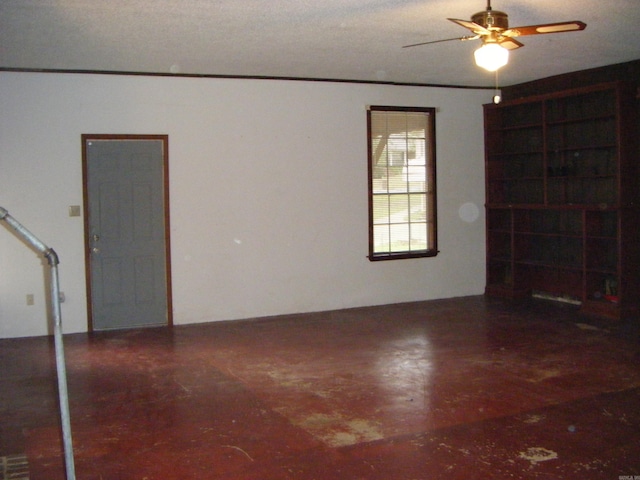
(562, 198)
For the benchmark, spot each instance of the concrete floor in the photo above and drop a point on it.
(464, 388)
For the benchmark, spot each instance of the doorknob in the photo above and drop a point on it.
(95, 238)
(95, 250)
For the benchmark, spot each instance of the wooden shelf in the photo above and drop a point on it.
(559, 169)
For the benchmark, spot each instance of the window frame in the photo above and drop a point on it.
(430, 190)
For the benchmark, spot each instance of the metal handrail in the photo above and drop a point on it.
(63, 394)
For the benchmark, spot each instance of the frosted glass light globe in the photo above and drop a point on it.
(491, 56)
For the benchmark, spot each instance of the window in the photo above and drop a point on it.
(402, 183)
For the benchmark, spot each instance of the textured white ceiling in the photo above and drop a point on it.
(324, 39)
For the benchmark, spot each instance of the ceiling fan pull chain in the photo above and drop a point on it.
(497, 98)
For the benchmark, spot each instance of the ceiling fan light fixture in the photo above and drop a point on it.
(491, 56)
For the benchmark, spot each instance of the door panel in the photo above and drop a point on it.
(126, 228)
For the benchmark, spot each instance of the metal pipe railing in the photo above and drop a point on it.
(52, 258)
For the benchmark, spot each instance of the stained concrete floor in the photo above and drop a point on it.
(466, 388)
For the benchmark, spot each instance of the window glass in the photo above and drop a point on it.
(402, 187)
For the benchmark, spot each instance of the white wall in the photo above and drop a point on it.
(268, 192)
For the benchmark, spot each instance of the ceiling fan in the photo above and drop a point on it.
(492, 27)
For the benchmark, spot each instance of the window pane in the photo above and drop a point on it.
(381, 238)
(378, 125)
(402, 174)
(381, 209)
(418, 236)
(380, 180)
(416, 178)
(398, 210)
(399, 237)
(396, 122)
(398, 181)
(417, 153)
(416, 125)
(418, 208)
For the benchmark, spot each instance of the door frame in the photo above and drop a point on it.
(86, 137)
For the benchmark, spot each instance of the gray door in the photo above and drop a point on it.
(126, 231)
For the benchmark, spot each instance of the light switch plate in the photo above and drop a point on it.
(74, 210)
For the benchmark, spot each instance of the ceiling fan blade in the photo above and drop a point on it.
(470, 37)
(474, 27)
(571, 26)
(510, 43)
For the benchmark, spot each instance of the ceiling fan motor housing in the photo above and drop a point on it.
(491, 20)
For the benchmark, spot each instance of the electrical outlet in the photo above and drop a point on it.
(30, 300)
